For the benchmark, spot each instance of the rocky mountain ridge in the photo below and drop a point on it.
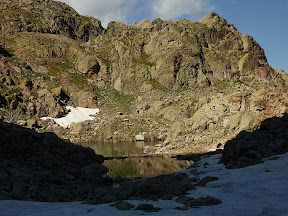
(46, 16)
(193, 85)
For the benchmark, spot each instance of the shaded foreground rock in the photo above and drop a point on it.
(147, 208)
(123, 206)
(207, 179)
(160, 187)
(249, 148)
(203, 201)
(42, 167)
(163, 187)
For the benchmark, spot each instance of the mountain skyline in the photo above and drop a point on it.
(264, 20)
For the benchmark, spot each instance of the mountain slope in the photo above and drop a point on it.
(193, 85)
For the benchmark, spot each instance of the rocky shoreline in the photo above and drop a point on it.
(41, 167)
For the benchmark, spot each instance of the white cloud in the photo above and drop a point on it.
(135, 10)
(171, 9)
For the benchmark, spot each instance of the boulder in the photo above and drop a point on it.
(248, 148)
(125, 190)
(94, 171)
(123, 206)
(42, 167)
(203, 201)
(108, 198)
(147, 208)
(140, 137)
(88, 66)
(207, 179)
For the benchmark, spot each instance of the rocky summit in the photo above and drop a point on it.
(191, 85)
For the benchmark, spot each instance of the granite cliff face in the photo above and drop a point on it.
(193, 85)
(179, 54)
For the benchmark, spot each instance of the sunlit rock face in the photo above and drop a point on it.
(191, 85)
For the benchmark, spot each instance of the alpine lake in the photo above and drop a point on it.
(128, 159)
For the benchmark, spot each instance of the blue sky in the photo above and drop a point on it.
(265, 20)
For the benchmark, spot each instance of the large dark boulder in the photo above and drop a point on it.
(42, 167)
(248, 148)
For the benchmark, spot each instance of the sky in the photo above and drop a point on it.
(265, 20)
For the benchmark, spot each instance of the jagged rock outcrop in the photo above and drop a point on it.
(179, 53)
(46, 16)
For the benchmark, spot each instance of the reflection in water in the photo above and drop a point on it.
(120, 148)
(144, 166)
(136, 166)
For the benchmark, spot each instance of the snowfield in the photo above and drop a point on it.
(261, 189)
(78, 114)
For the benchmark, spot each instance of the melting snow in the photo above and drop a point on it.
(256, 190)
(78, 114)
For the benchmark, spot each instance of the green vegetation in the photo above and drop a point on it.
(222, 85)
(85, 20)
(139, 125)
(141, 61)
(56, 69)
(82, 47)
(132, 33)
(102, 56)
(3, 88)
(79, 79)
(125, 169)
(116, 100)
(72, 77)
(158, 86)
(11, 51)
(239, 82)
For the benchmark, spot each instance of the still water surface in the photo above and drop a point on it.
(137, 164)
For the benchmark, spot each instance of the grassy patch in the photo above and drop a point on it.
(82, 47)
(56, 69)
(117, 100)
(158, 86)
(11, 51)
(124, 169)
(102, 56)
(85, 20)
(3, 88)
(143, 61)
(222, 85)
(79, 80)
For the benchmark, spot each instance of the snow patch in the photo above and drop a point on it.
(78, 114)
(256, 190)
